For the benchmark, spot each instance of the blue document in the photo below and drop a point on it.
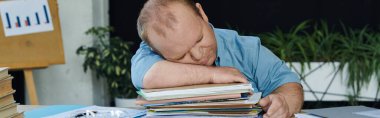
(50, 110)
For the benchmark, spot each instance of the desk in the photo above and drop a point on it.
(341, 112)
(24, 108)
(336, 112)
(59, 111)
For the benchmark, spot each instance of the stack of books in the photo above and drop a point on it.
(201, 100)
(8, 107)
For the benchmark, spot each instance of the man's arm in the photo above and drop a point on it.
(169, 74)
(281, 87)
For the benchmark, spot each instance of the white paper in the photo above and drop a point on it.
(102, 112)
(255, 98)
(371, 113)
(209, 90)
(305, 115)
(25, 17)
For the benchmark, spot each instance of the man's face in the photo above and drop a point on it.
(192, 41)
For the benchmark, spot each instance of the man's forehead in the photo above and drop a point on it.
(178, 41)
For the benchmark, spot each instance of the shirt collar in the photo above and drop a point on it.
(219, 45)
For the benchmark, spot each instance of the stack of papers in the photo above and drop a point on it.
(201, 100)
(8, 106)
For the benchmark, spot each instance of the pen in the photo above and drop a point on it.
(316, 115)
(85, 114)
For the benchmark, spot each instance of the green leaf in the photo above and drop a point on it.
(106, 52)
(118, 70)
(91, 55)
(97, 63)
(113, 57)
(123, 71)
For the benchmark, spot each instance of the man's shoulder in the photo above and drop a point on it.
(231, 36)
(226, 33)
(145, 49)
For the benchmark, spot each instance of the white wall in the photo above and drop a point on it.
(67, 83)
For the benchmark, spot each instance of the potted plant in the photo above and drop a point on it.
(355, 51)
(110, 58)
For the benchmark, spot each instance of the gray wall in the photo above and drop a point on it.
(67, 83)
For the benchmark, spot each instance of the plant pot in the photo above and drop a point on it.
(319, 80)
(125, 102)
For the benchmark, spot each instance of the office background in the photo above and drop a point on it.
(68, 84)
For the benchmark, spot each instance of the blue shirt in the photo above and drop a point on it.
(264, 70)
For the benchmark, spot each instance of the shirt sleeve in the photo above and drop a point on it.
(272, 72)
(142, 61)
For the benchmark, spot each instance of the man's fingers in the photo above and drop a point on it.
(228, 75)
(274, 107)
(242, 80)
(278, 107)
(279, 113)
(265, 103)
(239, 78)
(266, 116)
(245, 82)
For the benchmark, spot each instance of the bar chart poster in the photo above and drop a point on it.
(21, 17)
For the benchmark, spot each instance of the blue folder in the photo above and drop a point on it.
(50, 110)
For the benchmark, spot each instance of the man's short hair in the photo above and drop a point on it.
(156, 14)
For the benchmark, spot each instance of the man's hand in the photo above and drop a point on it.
(275, 106)
(223, 75)
(283, 102)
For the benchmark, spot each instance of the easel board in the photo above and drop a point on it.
(34, 50)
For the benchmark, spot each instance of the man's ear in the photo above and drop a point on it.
(201, 12)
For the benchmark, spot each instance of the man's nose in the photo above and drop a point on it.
(196, 53)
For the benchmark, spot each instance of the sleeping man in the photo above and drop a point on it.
(180, 47)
